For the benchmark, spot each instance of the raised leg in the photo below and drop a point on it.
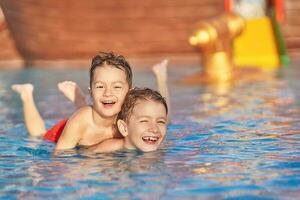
(33, 120)
(73, 92)
(160, 72)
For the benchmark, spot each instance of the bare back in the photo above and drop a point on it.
(84, 129)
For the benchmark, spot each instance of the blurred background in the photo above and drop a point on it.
(68, 33)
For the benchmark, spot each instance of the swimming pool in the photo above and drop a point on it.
(225, 142)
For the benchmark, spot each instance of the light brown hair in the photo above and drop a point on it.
(111, 59)
(139, 94)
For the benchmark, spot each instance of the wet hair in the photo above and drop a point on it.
(112, 59)
(139, 94)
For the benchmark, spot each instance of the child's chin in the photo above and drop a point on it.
(109, 114)
(149, 149)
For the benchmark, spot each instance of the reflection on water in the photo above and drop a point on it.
(234, 139)
(120, 173)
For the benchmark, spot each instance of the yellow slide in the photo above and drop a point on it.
(256, 46)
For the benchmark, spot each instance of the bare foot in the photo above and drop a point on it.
(73, 92)
(160, 69)
(24, 90)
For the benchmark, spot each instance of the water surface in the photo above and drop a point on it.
(226, 141)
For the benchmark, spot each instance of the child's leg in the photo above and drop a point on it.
(72, 91)
(33, 120)
(160, 71)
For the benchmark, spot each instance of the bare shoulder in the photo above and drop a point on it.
(82, 113)
(80, 119)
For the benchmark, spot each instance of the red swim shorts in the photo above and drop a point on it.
(54, 133)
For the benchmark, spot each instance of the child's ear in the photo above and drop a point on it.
(122, 126)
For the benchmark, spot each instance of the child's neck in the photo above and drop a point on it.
(103, 121)
(127, 144)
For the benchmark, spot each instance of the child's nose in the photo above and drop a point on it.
(107, 92)
(154, 127)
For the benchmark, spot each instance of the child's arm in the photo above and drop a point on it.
(71, 133)
(108, 145)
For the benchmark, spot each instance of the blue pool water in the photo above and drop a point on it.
(236, 141)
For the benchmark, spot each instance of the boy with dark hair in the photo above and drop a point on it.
(111, 78)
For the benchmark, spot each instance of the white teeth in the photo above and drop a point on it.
(108, 101)
(153, 138)
(150, 138)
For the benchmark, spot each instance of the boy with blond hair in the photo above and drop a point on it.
(142, 122)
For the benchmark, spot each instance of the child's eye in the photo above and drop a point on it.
(144, 121)
(161, 122)
(99, 86)
(118, 87)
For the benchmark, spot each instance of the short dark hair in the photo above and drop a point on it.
(118, 61)
(139, 94)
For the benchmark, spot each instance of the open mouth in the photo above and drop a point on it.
(108, 103)
(150, 139)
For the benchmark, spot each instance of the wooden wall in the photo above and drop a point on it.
(8, 53)
(291, 27)
(72, 29)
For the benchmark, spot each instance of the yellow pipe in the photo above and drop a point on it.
(215, 37)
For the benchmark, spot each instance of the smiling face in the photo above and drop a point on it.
(108, 89)
(146, 126)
